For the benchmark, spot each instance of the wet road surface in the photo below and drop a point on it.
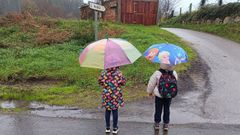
(222, 100)
(35, 125)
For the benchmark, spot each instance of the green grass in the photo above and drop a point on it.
(13, 37)
(51, 73)
(229, 31)
(12, 110)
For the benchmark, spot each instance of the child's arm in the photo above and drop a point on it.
(175, 74)
(101, 80)
(152, 83)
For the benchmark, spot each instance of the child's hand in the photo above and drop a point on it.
(150, 94)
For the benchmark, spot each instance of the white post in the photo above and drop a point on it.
(96, 24)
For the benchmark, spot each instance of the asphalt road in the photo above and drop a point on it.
(35, 125)
(222, 103)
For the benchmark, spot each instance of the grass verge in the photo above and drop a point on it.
(50, 73)
(229, 31)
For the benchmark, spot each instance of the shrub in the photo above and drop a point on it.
(209, 12)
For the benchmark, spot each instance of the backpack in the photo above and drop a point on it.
(167, 84)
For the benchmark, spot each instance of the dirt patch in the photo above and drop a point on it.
(110, 32)
(48, 36)
(197, 72)
(31, 81)
(25, 20)
(3, 46)
(10, 19)
(48, 22)
(44, 29)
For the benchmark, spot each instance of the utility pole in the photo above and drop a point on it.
(220, 2)
(180, 11)
(172, 13)
(190, 8)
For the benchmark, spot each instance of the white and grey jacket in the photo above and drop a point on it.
(154, 81)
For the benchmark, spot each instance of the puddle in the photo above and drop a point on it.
(59, 111)
(40, 109)
(13, 104)
(8, 105)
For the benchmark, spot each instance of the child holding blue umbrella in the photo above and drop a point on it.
(111, 79)
(163, 82)
(162, 104)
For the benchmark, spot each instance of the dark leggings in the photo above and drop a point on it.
(115, 118)
(162, 104)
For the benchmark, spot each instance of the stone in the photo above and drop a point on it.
(228, 20)
(237, 19)
(218, 21)
(209, 21)
(203, 21)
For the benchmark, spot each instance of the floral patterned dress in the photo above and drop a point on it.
(111, 80)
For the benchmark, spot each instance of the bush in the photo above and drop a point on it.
(209, 12)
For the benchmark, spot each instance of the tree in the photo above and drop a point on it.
(203, 3)
(220, 2)
(165, 7)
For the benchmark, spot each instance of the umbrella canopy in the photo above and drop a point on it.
(166, 54)
(107, 53)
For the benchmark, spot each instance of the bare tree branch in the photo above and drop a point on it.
(166, 7)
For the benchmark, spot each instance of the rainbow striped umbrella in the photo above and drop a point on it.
(107, 53)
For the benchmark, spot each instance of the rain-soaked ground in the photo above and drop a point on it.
(222, 100)
(208, 101)
(35, 125)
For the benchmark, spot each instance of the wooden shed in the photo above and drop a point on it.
(139, 11)
(127, 11)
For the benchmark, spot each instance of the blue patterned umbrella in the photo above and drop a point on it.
(166, 54)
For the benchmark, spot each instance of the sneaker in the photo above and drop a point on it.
(107, 130)
(115, 131)
(165, 127)
(156, 126)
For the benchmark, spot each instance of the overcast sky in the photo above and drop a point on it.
(185, 4)
(86, 1)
